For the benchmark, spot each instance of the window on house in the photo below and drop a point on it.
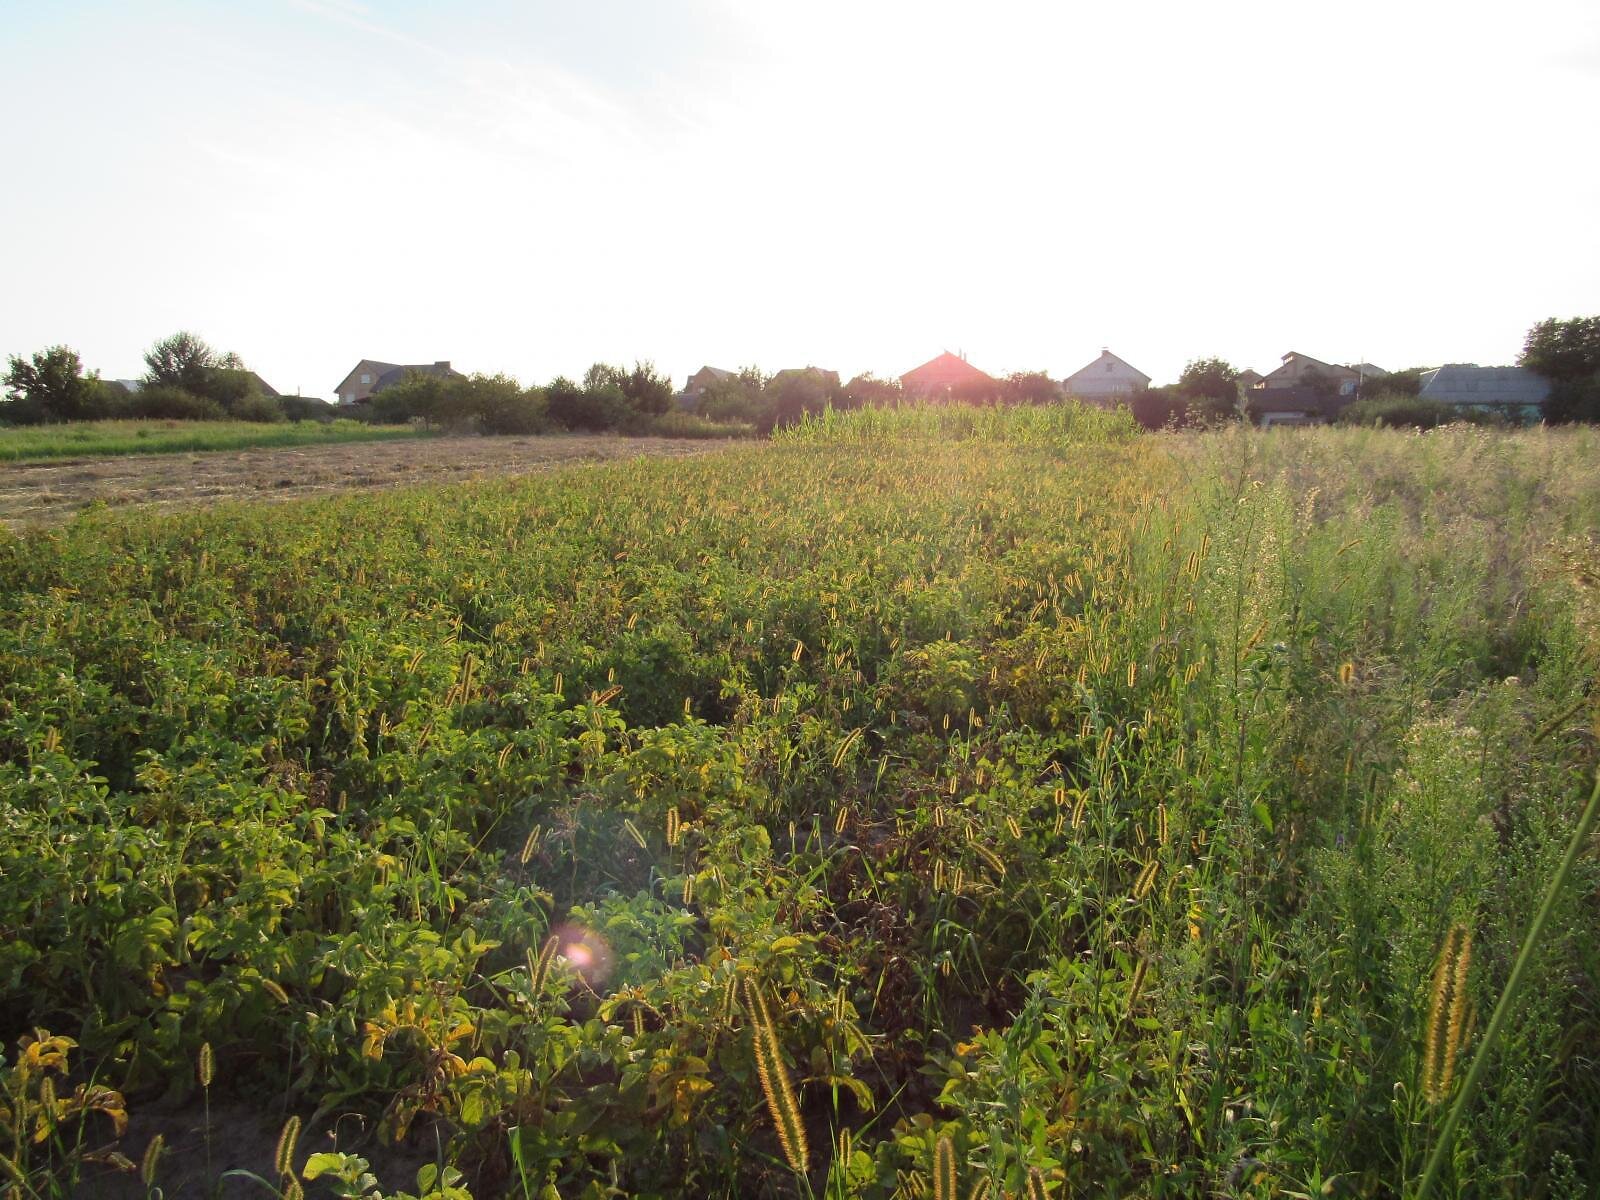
(1108, 368)
(365, 378)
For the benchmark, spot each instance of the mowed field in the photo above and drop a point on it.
(924, 804)
(51, 490)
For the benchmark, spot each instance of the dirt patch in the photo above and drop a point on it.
(48, 492)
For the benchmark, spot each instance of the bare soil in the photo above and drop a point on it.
(48, 492)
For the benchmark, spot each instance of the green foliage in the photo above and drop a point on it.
(80, 439)
(187, 363)
(1567, 353)
(50, 387)
(1560, 349)
(1078, 811)
(869, 391)
(594, 407)
(792, 395)
(1029, 387)
(1211, 386)
(1400, 412)
(495, 404)
(160, 402)
(740, 398)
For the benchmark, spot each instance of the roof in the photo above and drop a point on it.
(372, 366)
(262, 386)
(394, 375)
(818, 373)
(1105, 357)
(1468, 383)
(1328, 370)
(942, 373)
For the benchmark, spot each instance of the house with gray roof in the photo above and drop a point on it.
(370, 376)
(1516, 391)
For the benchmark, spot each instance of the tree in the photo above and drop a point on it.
(868, 391)
(799, 392)
(1210, 385)
(740, 397)
(51, 386)
(1567, 353)
(598, 404)
(1029, 387)
(647, 390)
(1563, 349)
(186, 362)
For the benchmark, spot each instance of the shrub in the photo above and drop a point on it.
(499, 404)
(307, 408)
(1397, 411)
(418, 396)
(739, 398)
(160, 402)
(253, 406)
(589, 409)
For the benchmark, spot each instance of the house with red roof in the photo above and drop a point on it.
(946, 376)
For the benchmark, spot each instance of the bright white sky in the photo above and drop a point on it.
(530, 186)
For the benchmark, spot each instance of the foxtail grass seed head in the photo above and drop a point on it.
(674, 830)
(1146, 880)
(531, 844)
(1136, 984)
(775, 1085)
(1036, 1188)
(1347, 673)
(283, 1155)
(632, 831)
(270, 986)
(151, 1162)
(208, 1065)
(944, 1169)
(539, 968)
(841, 819)
(688, 890)
(1457, 1027)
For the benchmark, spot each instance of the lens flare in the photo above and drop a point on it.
(586, 952)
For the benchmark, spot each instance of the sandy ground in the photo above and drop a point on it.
(47, 492)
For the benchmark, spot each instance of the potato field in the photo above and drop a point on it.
(926, 803)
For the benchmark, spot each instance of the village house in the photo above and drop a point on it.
(1305, 390)
(369, 376)
(946, 376)
(695, 388)
(1106, 378)
(1516, 391)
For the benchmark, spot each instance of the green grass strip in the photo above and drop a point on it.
(119, 438)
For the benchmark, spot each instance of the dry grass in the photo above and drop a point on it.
(45, 493)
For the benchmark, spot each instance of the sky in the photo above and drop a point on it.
(530, 187)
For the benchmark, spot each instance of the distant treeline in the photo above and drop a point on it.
(187, 379)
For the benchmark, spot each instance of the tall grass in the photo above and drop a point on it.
(1051, 425)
